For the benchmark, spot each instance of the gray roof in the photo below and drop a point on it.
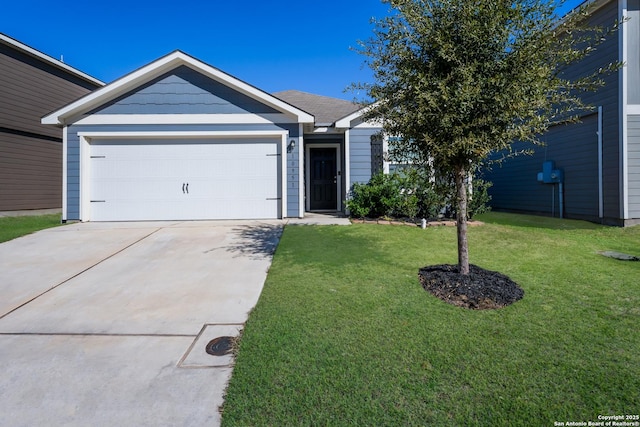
(326, 110)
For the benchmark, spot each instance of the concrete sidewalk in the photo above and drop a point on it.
(312, 218)
(107, 323)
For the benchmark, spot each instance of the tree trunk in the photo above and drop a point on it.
(461, 199)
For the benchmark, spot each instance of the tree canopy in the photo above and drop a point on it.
(458, 80)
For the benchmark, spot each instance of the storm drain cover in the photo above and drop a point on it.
(220, 346)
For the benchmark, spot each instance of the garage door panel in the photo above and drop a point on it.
(203, 179)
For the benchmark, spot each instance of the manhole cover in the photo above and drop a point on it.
(220, 346)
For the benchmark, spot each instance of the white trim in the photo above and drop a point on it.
(283, 174)
(65, 150)
(156, 69)
(347, 162)
(345, 122)
(58, 64)
(301, 168)
(335, 145)
(183, 134)
(85, 175)
(85, 156)
(157, 119)
(633, 109)
(624, 167)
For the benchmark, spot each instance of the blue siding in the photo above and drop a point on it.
(574, 149)
(73, 156)
(360, 154)
(184, 91)
(293, 183)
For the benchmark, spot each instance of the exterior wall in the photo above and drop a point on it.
(31, 153)
(30, 172)
(73, 156)
(574, 149)
(360, 153)
(184, 91)
(633, 158)
(292, 170)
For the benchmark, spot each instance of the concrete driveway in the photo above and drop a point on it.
(108, 323)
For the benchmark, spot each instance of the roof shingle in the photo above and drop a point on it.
(326, 110)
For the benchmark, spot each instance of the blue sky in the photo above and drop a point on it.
(272, 44)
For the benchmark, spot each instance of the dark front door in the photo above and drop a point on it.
(323, 179)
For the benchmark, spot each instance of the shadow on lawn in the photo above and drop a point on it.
(257, 241)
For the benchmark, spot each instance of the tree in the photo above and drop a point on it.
(458, 80)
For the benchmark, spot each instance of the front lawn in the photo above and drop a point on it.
(16, 226)
(344, 334)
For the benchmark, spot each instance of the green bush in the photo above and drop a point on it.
(391, 195)
(412, 193)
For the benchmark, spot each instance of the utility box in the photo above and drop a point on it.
(549, 174)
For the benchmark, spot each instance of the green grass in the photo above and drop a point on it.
(16, 226)
(344, 334)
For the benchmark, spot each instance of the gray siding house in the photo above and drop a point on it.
(31, 85)
(179, 139)
(599, 158)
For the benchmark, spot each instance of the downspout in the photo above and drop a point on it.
(600, 167)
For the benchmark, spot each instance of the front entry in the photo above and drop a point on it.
(323, 179)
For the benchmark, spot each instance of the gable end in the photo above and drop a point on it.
(184, 91)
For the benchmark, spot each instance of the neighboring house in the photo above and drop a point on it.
(597, 159)
(31, 85)
(179, 139)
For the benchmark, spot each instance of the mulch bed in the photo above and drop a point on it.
(480, 290)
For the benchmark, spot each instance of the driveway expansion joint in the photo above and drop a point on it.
(197, 356)
(78, 274)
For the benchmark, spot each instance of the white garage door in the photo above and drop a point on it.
(184, 179)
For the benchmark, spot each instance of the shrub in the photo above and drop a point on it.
(391, 195)
(412, 193)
